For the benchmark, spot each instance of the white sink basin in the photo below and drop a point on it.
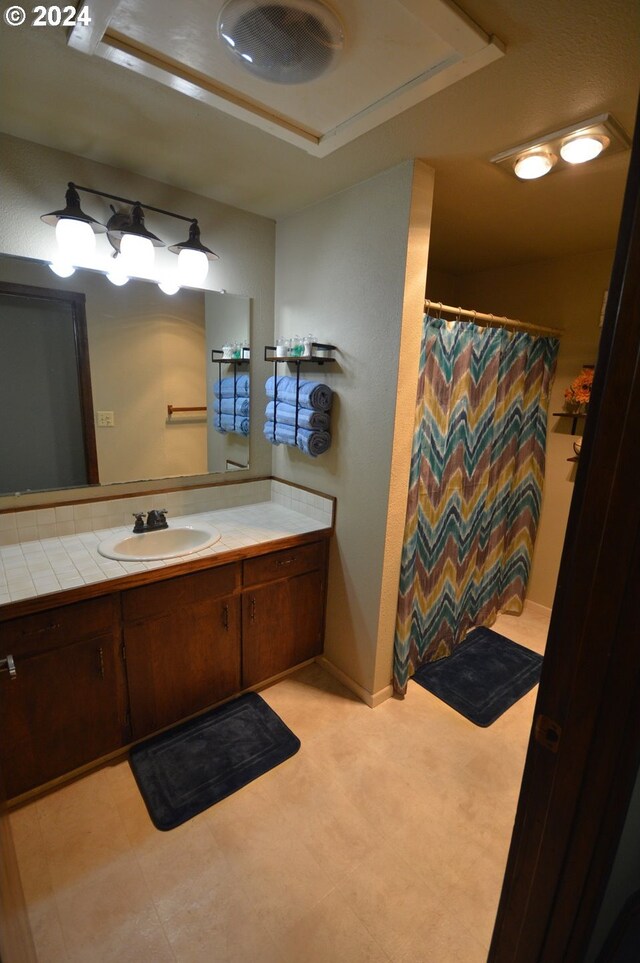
(165, 543)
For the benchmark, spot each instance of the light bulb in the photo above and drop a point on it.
(529, 166)
(62, 268)
(137, 254)
(75, 239)
(117, 273)
(168, 286)
(582, 149)
(193, 267)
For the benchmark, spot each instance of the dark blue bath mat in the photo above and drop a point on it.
(196, 764)
(486, 674)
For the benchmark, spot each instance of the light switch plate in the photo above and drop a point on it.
(105, 419)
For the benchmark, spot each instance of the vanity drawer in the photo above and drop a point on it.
(37, 633)
(159, 598)
(294, 561)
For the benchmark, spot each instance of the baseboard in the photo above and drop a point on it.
(372, 699)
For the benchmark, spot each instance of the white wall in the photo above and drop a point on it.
(351, 270)
(33, 182)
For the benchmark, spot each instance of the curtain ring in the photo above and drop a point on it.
(439, 310)
(473, 316)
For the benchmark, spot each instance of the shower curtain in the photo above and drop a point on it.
(475, 486)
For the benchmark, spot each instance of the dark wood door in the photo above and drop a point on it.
(281, 625)
(182, 661)
(576, 787)
(65, 707)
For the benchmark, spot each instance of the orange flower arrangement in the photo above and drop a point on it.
(579, 391)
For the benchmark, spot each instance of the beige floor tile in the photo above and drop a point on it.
(390, 897)
(219, 927)
(330, 933)
(437, 939)
(109, 915)
(47, 933)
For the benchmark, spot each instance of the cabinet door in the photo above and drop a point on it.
(281, 626)
(182, 661)
(65, 707)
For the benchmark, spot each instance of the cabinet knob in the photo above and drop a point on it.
(8, 665)
(252, 609)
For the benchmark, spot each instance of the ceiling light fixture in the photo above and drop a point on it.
(564, 148)
(586, 147)
(128, 235)
(535, 164)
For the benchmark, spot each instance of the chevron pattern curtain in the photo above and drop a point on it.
(475, 486)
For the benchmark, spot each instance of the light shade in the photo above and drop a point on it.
(193, 257)
(62, 268)
(193, 267)
(75, 238)
(137, 254)
(117, 273)
(537, 164)
(577, 150)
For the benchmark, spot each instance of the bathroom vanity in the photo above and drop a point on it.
(93, 669)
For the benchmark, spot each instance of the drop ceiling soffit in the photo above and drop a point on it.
(397, 54)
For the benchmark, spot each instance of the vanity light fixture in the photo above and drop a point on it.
(564, 148)
(128, 235)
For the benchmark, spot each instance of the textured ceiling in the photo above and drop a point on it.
(566, 60)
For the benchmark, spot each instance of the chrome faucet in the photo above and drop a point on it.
(156, 519)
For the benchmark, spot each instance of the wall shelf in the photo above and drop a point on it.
(574, 415)
(297, 360)
(300, 358)
(235, 363)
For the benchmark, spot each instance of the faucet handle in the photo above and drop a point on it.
(139, 524)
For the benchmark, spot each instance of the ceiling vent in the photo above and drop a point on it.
(286, 43)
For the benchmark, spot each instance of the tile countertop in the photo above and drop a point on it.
(35, 568)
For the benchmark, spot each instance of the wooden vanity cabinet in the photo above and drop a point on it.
(94, 675)
(282, 610)
(67, 704)
(182, 644)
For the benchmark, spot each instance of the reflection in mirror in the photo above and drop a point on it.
(148, 351)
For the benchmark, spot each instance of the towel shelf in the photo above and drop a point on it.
(297, 360)
(235, 363)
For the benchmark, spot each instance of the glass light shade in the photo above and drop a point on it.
(193, 267)
(529, 166)
(62, 268)
(581, 149)
(75, 239)
(137, 254)
(168, 286)
(117, 273)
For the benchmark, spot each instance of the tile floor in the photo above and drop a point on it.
(383, 839)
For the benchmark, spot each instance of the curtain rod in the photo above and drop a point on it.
(490, 318)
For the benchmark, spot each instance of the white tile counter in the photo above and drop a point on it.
(43, 566)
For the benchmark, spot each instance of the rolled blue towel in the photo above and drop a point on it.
(226, 406)
(225, 423)
(311, 394)
(286, 415)
(223, 388)
(312, 443)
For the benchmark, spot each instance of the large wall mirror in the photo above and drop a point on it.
(149, 354)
